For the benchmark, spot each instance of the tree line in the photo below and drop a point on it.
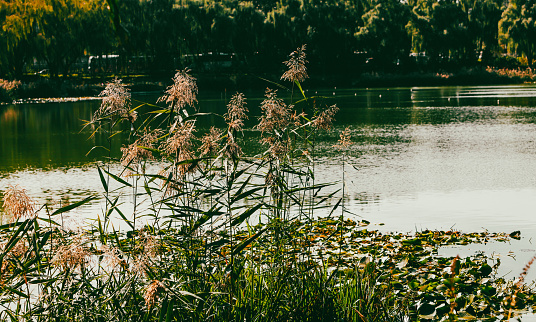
(348, 36)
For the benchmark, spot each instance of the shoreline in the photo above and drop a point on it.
(43, 89)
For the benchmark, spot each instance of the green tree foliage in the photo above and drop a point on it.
(484, 16)
(171, 34)
(57, 31)
(67, 29)
(518, 27)
(18, 20)
(248, 17)
(441, 29)
(383, 32)
(333, 44)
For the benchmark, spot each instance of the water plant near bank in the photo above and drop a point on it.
(218, 235)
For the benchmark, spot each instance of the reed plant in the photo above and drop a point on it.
(194, 229)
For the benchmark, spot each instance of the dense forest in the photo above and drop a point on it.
(342, 37)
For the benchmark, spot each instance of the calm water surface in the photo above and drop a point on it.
(423, 158)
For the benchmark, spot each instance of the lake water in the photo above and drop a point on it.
(424, 158)
(440, 158)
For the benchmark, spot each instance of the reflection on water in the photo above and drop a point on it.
(424, 158)
(46, 135)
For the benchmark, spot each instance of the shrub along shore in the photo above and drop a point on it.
(233, 237)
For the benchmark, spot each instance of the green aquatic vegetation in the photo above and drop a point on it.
(149, 273)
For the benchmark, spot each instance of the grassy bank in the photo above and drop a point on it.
(217, 235)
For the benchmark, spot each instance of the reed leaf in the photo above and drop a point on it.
(103, 180)
(240, 247)
(246, 214)
(206, 217)
(245, 194)
(72, 206)
(118, 179)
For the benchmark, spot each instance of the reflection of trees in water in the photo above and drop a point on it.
(9, 115)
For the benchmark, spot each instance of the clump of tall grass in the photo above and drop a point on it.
(211, 234)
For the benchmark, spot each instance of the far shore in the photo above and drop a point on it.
(39, 87)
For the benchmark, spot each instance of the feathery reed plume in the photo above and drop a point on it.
(519, 283)
(451, 291)
(278, 148)
(71, 255)
(151, 293)
(147, 248)
(455, 266)
(344, 140)
(17, 203)
(525, 271)
(112, 258)
(139, 265)
(135, 152)
(179, 145)
(324, 121)
(183, 91)
(116, 101)
(235, 116)
(20, 248)
(210, 142)
(270, 179)
(149, 245)
(236, 112)
(296, 118)
(296, 66)
(276, 114)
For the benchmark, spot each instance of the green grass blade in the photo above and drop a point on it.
(169, 312)
(10, 225)
(103, 180)
(301, 89)
(247, 241)
(335, 207)
(115, 207)
(15, 291)
(116, 178)
(245, 194)
(72, 206)
(246, 214)
(15, 238)
(50, 221)
(163, 310)
(206, 217)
